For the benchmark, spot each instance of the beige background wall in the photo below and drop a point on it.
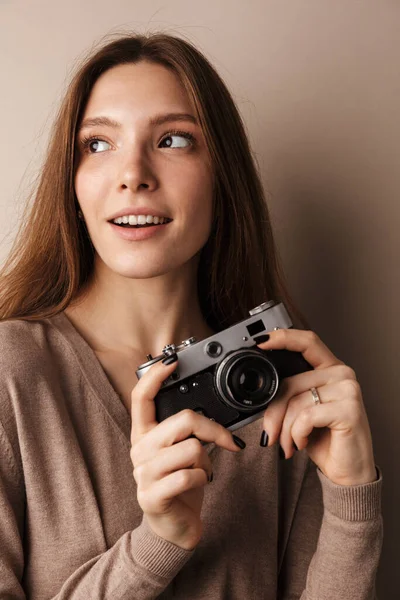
(318, 85)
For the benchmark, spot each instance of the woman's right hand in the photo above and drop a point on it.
(171, 470)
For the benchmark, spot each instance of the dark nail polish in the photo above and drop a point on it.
(239, 442)
(211, 478)
(264, 439)
(259, 339)
(281, 453)
(170, 359)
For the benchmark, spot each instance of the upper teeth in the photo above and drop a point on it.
(140, 220)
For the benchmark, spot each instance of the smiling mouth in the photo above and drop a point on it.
(128, 226)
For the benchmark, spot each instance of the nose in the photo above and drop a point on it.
(136, 172)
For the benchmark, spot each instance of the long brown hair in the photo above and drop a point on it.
(52, 258)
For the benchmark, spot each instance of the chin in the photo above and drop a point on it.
(146, 265)
(135, 270)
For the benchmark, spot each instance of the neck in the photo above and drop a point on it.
(139, 316)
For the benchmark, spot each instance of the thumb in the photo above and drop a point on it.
(143, 408)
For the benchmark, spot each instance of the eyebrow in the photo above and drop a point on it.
(156, 120)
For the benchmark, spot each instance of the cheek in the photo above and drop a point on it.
(81, 186)
(199, 196)
(88, 186)
(198, 220)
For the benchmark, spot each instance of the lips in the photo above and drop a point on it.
(136, 234)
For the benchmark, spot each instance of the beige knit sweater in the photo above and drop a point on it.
(71, 526)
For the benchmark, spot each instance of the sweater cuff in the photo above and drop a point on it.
(156, 554)
(352, 502)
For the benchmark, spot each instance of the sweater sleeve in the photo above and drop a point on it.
(139, 566)
(335, 541)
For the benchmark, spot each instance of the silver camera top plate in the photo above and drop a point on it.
(197, 356)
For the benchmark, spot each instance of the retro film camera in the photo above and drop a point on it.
(226, 377)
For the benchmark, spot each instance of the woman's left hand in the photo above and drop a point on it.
(336, 432)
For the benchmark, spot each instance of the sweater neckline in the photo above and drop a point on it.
(94, 374)
(97, 379)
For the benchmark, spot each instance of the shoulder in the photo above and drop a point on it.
(30, 358)
(23, 344)
(19, 334)
(23, 364)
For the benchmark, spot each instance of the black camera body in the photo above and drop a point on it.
(226, 377)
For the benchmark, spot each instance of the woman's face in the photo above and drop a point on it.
(127, 162)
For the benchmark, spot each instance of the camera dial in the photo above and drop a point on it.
(261, 307)
(169, 349)
(188, 342)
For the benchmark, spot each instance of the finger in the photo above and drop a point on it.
(157, 498)
(314, 417)
(179, 427)
(185, 455)
(293, 387)
(307, 342)
(341, 409)
(295, 406)
(143, 409)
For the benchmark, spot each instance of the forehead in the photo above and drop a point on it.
(143, 87)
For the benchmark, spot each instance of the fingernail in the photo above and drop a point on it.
(259, 339)
(170, 359)
(281, 453)
(239, 442)
(211, 478)
(264, 439)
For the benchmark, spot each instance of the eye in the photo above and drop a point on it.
(184, 135)
(93, 145)
(173, 139)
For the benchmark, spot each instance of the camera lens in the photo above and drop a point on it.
(246, 379)
(250, 380)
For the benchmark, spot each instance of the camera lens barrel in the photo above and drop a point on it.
(246, 380)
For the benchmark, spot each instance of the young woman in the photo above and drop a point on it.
(98, 499)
